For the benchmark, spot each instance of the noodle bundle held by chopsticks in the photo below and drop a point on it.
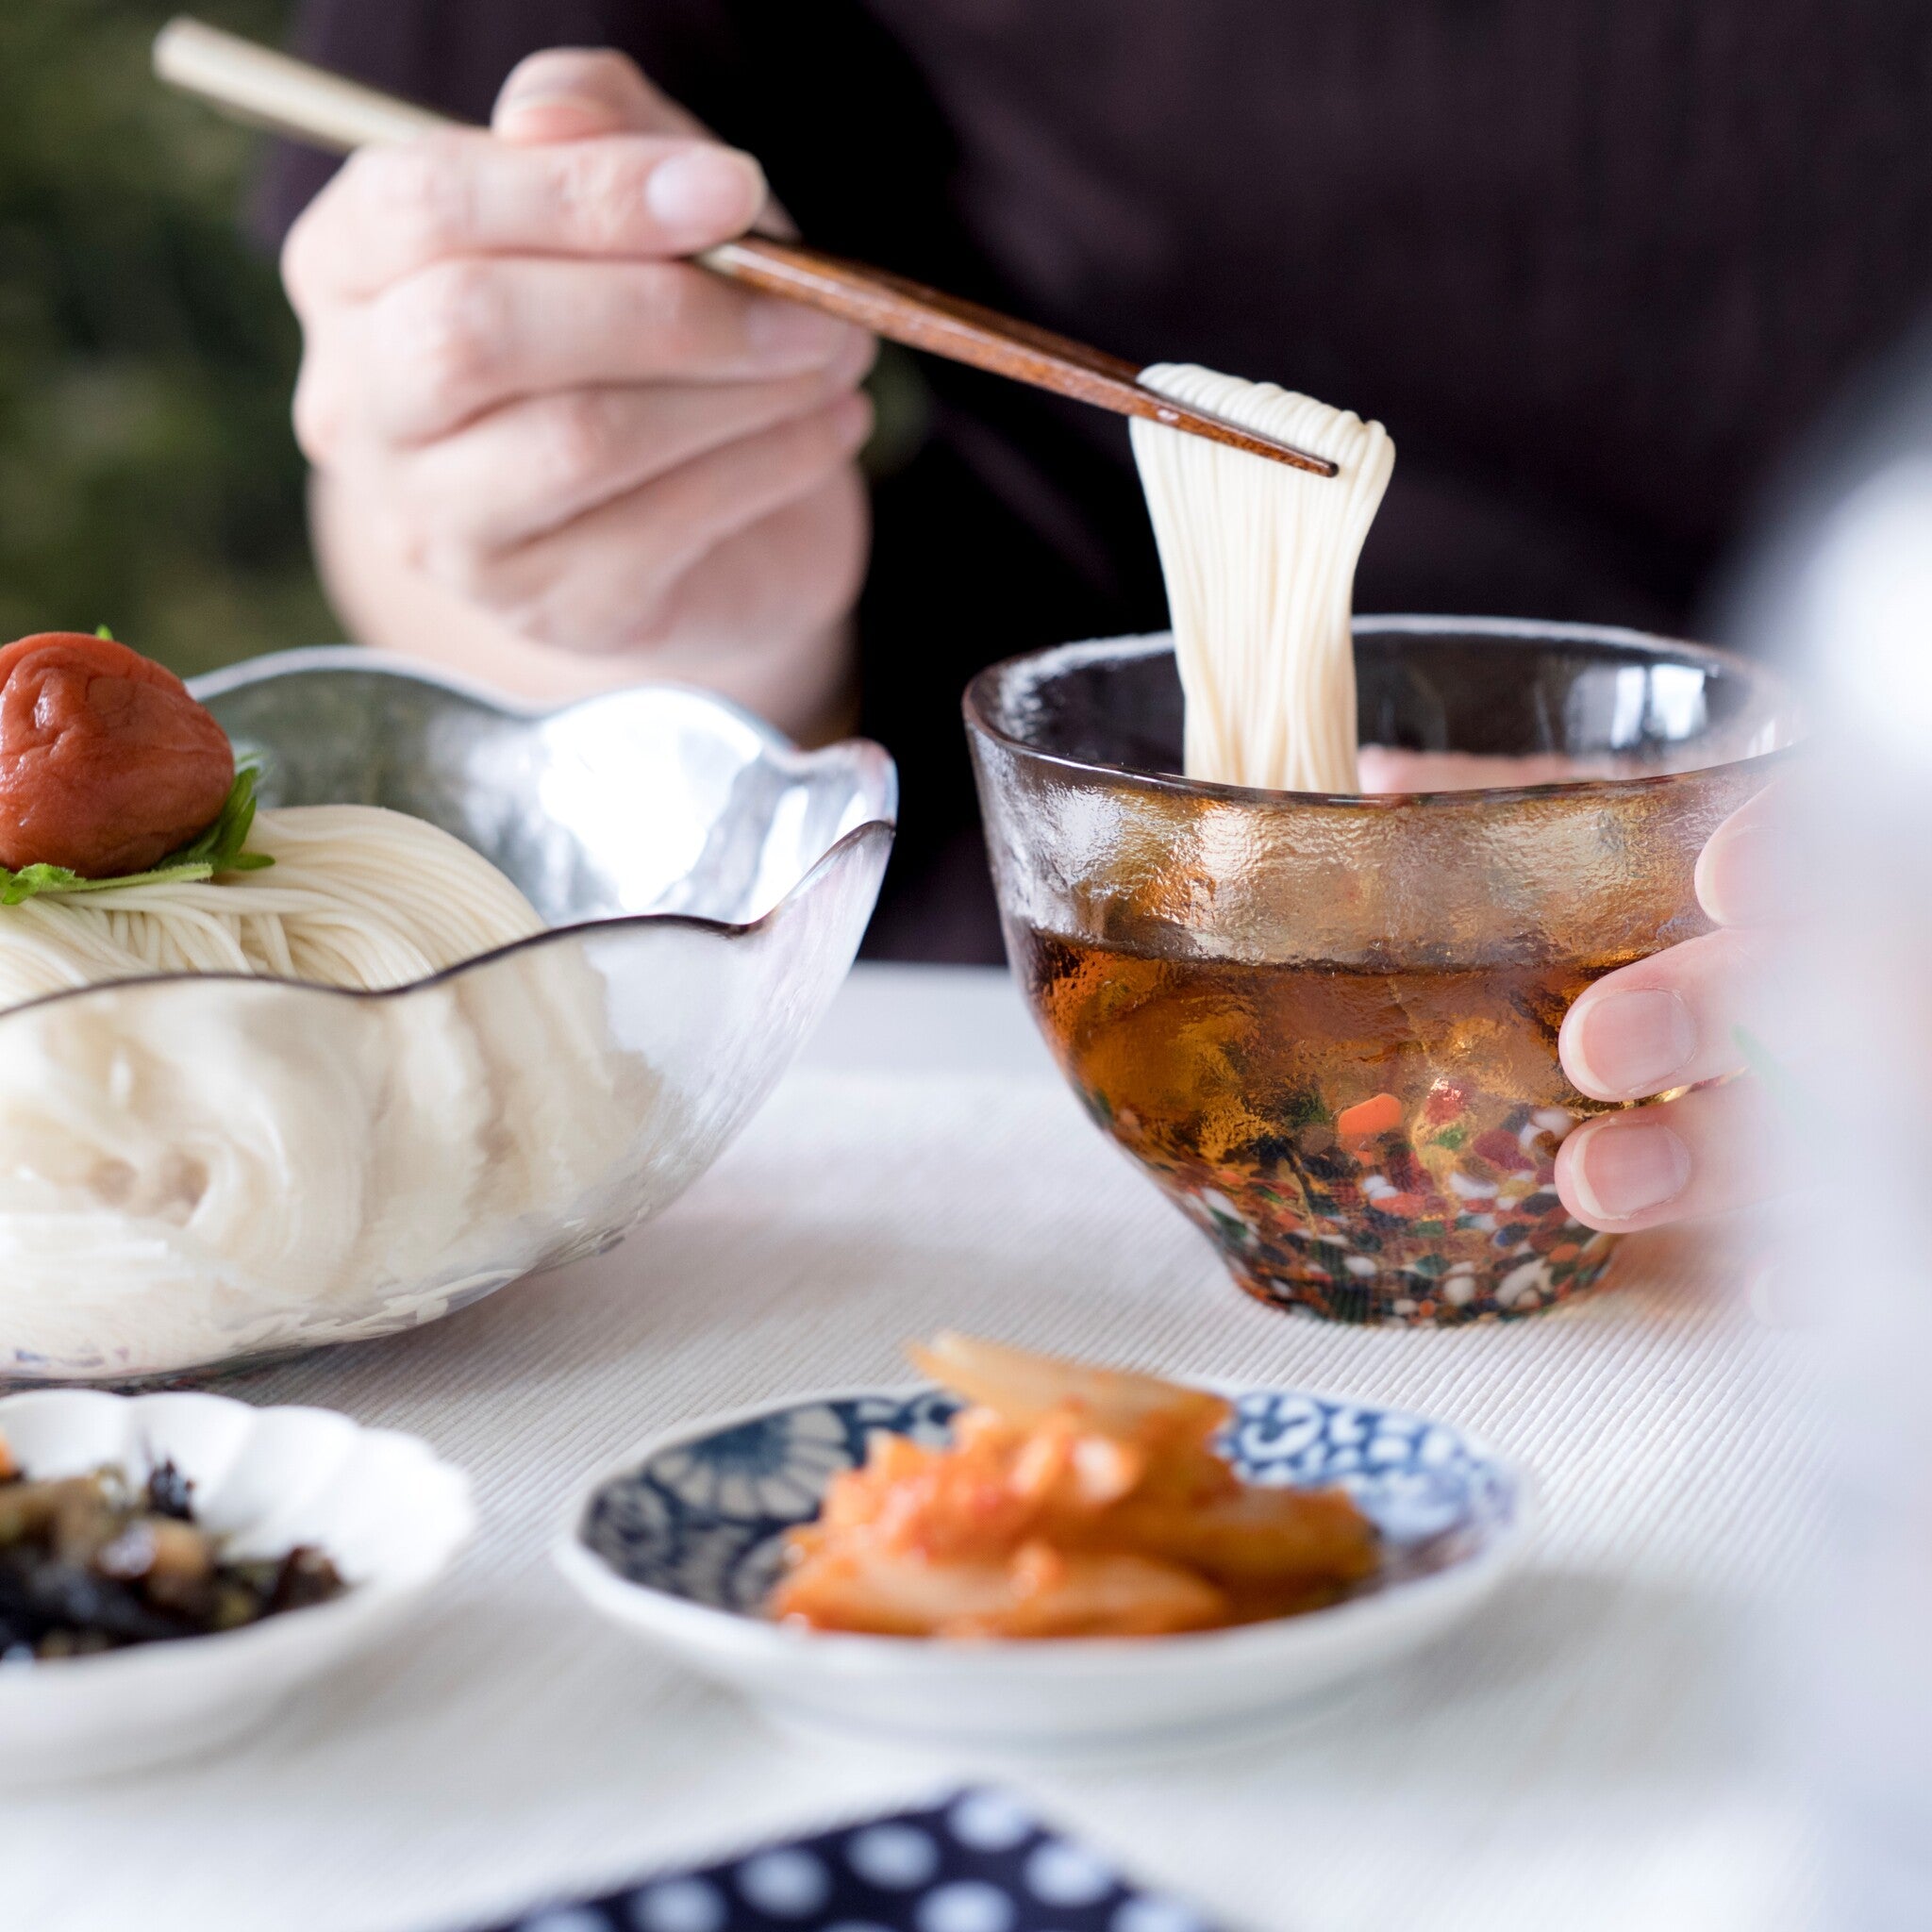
(1259, 561)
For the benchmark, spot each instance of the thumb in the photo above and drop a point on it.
(576, 94)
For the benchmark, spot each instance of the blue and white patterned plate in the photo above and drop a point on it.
(705, 1519)
(683, 1540)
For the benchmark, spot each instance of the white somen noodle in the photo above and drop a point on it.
(187, 1169)
(1259, 561)
(357, 897)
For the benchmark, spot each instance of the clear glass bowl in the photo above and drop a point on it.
(1327, 1026)
(291, 1165)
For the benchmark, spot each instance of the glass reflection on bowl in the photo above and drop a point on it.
(1327, 1026)
(297, 1165)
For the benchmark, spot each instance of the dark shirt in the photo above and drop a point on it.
(1594, 263)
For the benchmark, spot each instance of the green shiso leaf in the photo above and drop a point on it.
(217, 850)
(220, 846)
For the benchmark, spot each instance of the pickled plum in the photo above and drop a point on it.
(106, 763)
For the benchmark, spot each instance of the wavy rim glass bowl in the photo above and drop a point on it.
(1326, 1024)
(264, 1166)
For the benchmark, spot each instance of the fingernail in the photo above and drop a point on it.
(1745, 877)
(1629, 1045)
(706, 191)
(786, 332)
(1624, 1168)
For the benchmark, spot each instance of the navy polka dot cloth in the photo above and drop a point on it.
(977, 1863)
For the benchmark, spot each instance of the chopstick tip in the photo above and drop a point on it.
(1215, 429)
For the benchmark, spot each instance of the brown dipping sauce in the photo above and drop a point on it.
(106, 763)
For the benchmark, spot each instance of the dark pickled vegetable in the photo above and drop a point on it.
(94, 1562)
(167, 1494)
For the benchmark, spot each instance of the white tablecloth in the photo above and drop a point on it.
(1589, 1755)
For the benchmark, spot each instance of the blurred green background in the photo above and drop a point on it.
(148, 478)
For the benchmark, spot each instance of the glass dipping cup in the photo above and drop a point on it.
(1327, 1026)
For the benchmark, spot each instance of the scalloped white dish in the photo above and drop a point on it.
(680, 1544)
(381, 1504)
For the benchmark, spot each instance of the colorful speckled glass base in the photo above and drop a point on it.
(1431, 1227)
(1290, 1269)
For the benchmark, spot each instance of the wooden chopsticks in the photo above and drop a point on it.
(322, 109)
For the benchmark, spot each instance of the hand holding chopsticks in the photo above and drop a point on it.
(324, 109)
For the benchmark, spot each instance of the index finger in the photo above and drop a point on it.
(393, 210)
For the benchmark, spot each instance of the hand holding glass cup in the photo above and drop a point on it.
(1329, 1026)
